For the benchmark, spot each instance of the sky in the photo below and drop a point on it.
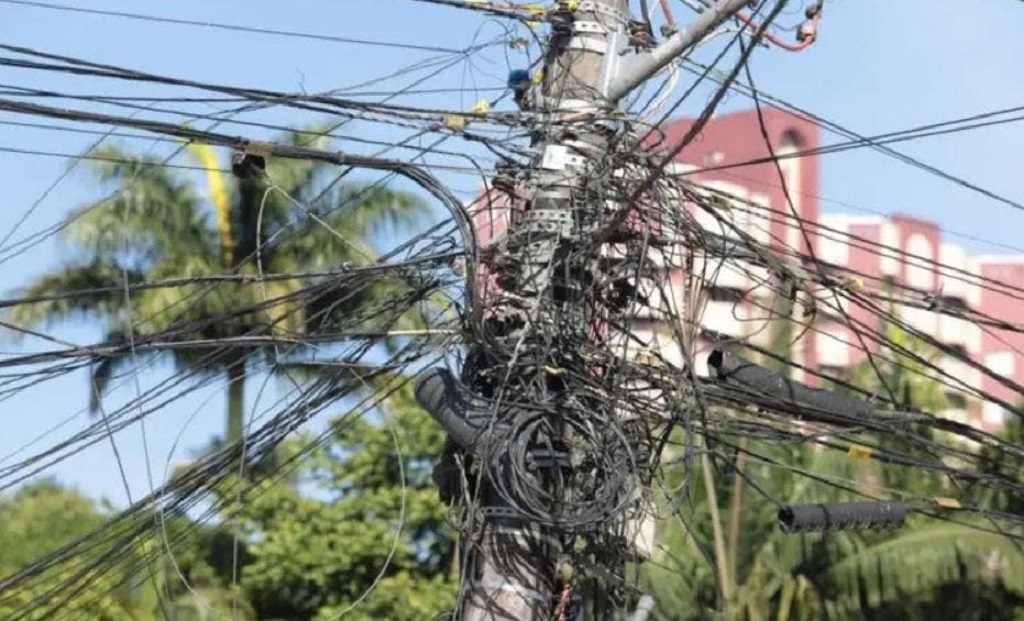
(879, 66)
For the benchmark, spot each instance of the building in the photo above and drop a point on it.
(777, 203)
(771, 198)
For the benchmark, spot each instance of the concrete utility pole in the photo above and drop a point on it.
(518, 577)
(593, 60)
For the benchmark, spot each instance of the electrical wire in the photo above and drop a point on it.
(227, 27)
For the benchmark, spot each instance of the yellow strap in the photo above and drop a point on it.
(455, 122)
(647, 358)
(538, 11)
(859, 452)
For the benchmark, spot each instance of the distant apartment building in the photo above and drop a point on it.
(777, 203)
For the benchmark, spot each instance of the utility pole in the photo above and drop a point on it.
(513, 554)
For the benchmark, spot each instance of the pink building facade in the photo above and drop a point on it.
(777, 203)
(768, 207)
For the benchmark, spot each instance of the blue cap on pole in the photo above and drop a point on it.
(519, 79)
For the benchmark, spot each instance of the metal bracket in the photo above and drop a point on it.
(548, 459)
(547, 221)
(588, 27)
(557, 157)
(575, 161)
(589, 6)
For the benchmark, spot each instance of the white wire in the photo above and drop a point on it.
(656, 106)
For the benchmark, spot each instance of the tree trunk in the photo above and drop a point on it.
(721, 558)
(732, 541)
(236, 401)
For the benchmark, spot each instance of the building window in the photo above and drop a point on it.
(829, 313)
(832, 372)
(993, 414)
(957, 350)
(725, 294)
(954, 303)
(792, 140)
(956, 400)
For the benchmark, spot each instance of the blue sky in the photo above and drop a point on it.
(880, 65)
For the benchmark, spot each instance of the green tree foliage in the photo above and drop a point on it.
(37, 520)
(956, 570)
(362, 531)
(161, 224)
(42, 517)
(901, 373)
(755, 572)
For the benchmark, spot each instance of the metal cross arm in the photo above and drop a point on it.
(629, 71)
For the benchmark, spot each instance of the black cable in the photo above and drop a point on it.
(326, 104)
(229, 27)
(882, 148)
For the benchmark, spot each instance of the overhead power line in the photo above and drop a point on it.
(315, 103)
(234, 100)
(232, 27)
(857, 138)
(569, 401)
(955, 126)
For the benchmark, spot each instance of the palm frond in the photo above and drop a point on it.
(919, 561)
(99, 380)
(365, 378)
(97, 288)
(151, 213)
(107, 368)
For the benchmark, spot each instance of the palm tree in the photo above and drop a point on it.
(161, 224)
(837, 576)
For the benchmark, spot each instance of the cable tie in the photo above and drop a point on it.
(719, 202)
(854, 284)
(455, 122)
